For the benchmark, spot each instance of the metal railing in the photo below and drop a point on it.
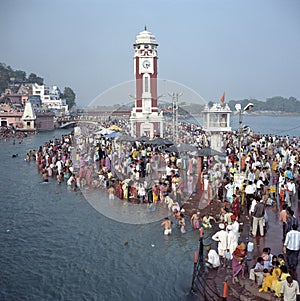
(200, 286)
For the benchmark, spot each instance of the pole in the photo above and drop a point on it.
(176, 121)
(195, 271)
(173, 115)
(175, 97)
(240, 139)
(201, 245)
(225, 291)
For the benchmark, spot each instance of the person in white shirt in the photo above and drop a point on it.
(232, 240)
(250, 190)
(251, 176)
(291, 188)
(221, 237)
(235, 226)
(253, 203)
(289, 289)
(291, 247)
(213, 259)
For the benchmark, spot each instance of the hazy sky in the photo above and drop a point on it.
(249, 49)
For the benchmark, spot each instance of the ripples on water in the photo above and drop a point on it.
(55, 246)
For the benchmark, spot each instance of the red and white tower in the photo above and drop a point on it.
(145, 119)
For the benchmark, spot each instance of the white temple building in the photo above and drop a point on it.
(29, 117)
(216, 121)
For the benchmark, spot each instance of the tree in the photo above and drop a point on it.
(210, 104)
(20, 76)
(4, 77)
(69, 96)
(33, 78)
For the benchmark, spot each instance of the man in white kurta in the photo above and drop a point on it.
(213, 258)
(235, 227)
(232, 240)
(221, 237)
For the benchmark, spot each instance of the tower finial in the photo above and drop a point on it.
(145, 28)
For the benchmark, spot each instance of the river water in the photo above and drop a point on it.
(55, 246)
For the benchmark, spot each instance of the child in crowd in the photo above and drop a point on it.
(267, 281)
(182, 223)
(206, 221)
(257, 272)
(281, 260)
(227, 258)
(111, 193)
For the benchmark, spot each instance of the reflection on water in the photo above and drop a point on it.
(126, 211)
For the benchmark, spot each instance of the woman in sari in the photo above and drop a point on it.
(238, 265)
(277, 283)
(270, 277)
(155, 193)
(236, 205)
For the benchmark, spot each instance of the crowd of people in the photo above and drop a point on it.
(143, 172)
(8, 133)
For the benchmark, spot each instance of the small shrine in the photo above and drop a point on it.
(216, 121)
(29, 118)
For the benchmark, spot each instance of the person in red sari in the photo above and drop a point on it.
(236, 205)
(120, 190)
(238, 264)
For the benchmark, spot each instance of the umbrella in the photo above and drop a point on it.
(172, 149)
(208, 152)
(114, 128)
(112, 135)
(161, 141)
(126, 138)
(143, 139)
(184, 147)
(168, 142)
(181, 148)
(104, 132)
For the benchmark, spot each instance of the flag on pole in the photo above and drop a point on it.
(223, 97)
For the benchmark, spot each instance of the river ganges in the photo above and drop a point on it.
(55, 246)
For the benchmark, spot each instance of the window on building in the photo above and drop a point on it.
(224, 120)
(146, 83)
(214, 120)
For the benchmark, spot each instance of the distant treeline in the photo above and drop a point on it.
(277, 103)
(274, 104)
(10, 77)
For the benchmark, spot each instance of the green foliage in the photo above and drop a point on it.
(191, 108)
(19, 76)
(277, 103)
(33, 78)
(69, 96)
(5, 75)
(10, 77)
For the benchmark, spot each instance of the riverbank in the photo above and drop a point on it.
(7, 133)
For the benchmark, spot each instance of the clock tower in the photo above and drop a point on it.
(145, 119)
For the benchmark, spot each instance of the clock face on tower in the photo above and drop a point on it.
(146, 64)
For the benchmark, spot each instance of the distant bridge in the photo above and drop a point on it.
(61, 124)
